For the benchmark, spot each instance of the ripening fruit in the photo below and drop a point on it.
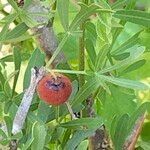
(54, 90)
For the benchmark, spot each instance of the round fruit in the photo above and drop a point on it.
(54, 90)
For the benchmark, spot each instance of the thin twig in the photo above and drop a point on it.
(70, 111)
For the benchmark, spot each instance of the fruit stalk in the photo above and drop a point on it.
(70, 111)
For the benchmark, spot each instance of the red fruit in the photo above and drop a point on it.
(54, 90)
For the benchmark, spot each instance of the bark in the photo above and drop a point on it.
(100, 140)
(132, 139)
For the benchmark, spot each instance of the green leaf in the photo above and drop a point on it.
(18, 98)
(70, 47)
(144, 145)
(89, 87)
(2, 96)
(115, 106)
(145, 132)
(77, 138)
(145, 38)
(127, 44)
(17, 31)
(119, 4)
(4, 31)
(90, 32)
(7, 106)
(27, 3)
(39, 135)
(57, 133)
(8, 58)
(90, 50)
(63, 11)
(87, 123)
(121, 56)
(125, 82)
(63, 111)
(138, 113)
(17, 63)
(18, 39)
(2, 134)
(17, 136)
(30, 139)
(12, 110)
(83, 14)
(134, 66)
(66, 137)
(2, 79)
(7, 89)
(103, 27)
(83, 145)
(13, 4)
(59, 48)
(131, 5)
(36, 60)
(101, 57)
(121, 132)
(134, 16)
(28, 20)
(8, 122)
(102, 3)
(43, 111)
(8, 17)
(27, 144)
(133, 56)
(105, 86)
(113, 127)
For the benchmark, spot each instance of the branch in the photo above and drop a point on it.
(100, 139)
(46, 38)
(22, 111)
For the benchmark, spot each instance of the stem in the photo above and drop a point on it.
(59, 48)
(81, 56)
(70, 110)
(82, 52)
(57, 114)
(67, 71)
(81, 60)
(54, 8)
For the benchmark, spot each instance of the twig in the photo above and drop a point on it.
(70, 111)
(26, 101)
(132, 139)
(13, 145)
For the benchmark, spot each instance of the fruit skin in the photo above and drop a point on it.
(54, 90)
